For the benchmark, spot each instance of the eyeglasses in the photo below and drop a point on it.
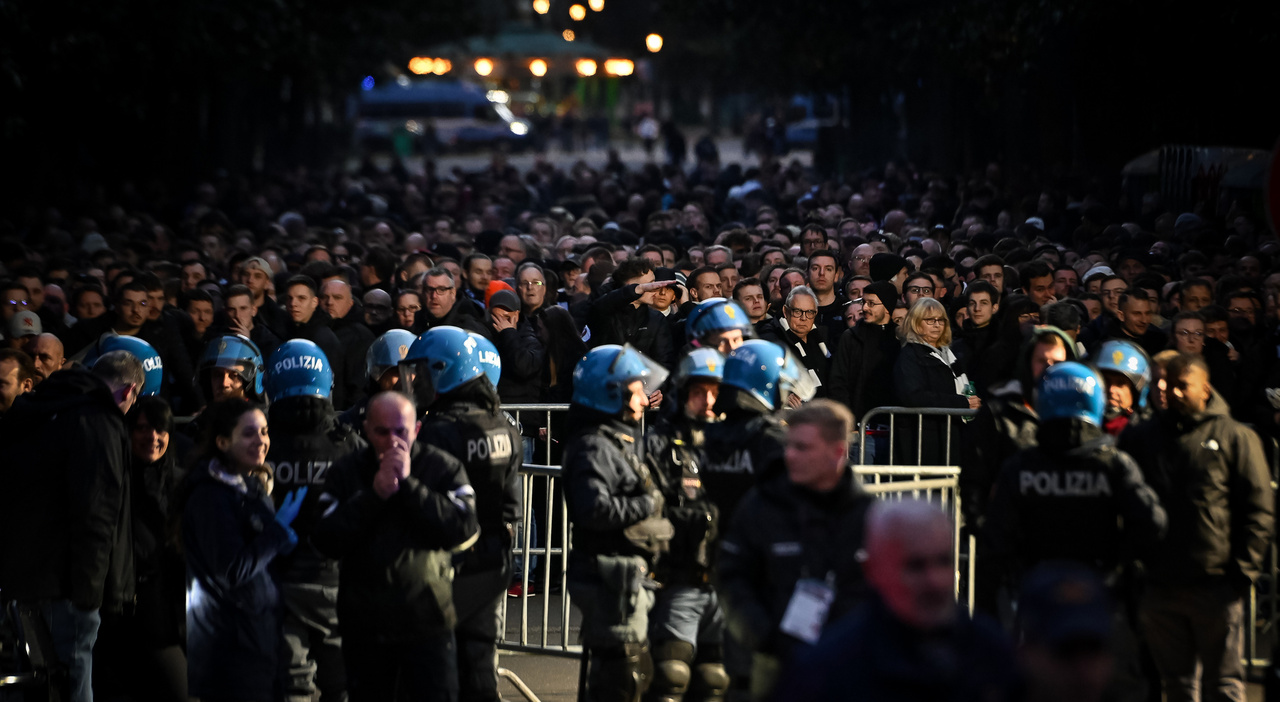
(802, 314)
(862, 258)
(933, 320)
(1233, 310)
(441, 290)
(1188, 333)
(15, 303)
(920, 290)
(531, 284)
(342, 258)
(870, 303)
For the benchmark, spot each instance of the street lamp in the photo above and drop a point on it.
(619, 67)
(541, 6)
(596, 5)
(654, 43)
(577, 12)
(586, 67)
(538, 67)
(484, 66)
(568, 35)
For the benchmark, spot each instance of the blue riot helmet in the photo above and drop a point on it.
(1071, 390)
(712, 322)
(152, 366)
(601, 378)
(700, 363)
(697, 384)
(385, 354)
(489, 358)
(236, 354)
(767, 372)
(1129, 360)
(440, 361)
(298, 369)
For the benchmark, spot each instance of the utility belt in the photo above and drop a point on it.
(491, 551)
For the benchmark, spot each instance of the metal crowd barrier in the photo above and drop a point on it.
(892, 413)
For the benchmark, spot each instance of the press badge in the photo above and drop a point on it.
(807, 611)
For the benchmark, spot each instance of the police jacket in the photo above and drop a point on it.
(742, 450)
(814, 353)
(673, 453)
(1212, 477)
(783, 533)
(468, 425)
(306, 440)
(355, 339)
(65, 508)
(607, 488)
(613, 320)
(317, 330)
(862, 370)
(396, 555)
(230, 536)
(1073, 497)
(871, 656)
(1005, 424)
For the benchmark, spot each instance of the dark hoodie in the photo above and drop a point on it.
(65, 526)
(742, 450)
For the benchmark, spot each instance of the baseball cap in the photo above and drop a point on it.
(257, 262)
(505, 300)
(1064, 602)
(24, 323)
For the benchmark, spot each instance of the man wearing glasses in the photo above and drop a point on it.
(798, 332)
(862, 371)
(443, 307)
(917, 285)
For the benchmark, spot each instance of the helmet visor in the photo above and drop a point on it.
(637, 366)
(796, 379)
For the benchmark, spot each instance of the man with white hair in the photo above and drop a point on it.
(910, 640)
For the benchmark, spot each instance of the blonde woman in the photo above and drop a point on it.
(928, 374)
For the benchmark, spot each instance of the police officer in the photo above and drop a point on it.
(1126, 368)
(747, 445)
(616, 509)
(687, 626)
(231, 367)
(381, 371)
(306, 440)
(1076, 497)
(465, 419)
(718, 324)
(152, 366)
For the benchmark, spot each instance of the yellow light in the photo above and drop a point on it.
(484, 66)
(421, 65)
(442, 66)
(541, 6)
(577, 12)
(538, 67)
(596, 5)
(653, 42)
(569, 35)
(586, 67)
(619, 67)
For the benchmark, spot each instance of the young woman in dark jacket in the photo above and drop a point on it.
(230, 534)
(928, 374)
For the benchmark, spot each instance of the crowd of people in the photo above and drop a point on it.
(257, 446)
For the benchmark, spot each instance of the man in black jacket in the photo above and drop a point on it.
(796, 539)
(65, 509)
(441, 306)
(1211, 475)
(623, 315)
(353, 336)
(862, 371)
(522, 352)
(399, 512)
(307, 321)
(306, 440)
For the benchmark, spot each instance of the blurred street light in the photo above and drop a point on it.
(586, 67)
(619, 67)
(653, 42)
(421, 65)
(484, 66)
(596, 5)
(541, 6)
(538, 67)
(568, 35)
(577, 12)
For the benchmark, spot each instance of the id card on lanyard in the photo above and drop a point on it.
(807, 611)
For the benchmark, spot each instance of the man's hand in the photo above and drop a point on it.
(238, 327)
(643, 288)
(794, 401)
(385, 484)
(503, 320)
(395, 460)
(974, 401)
(655, 400)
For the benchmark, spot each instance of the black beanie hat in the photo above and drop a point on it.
(885, 291)
(886, 265)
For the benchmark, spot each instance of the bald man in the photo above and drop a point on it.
(397, 511)
(910, 641)
(353, 335)
(788, 563)
(47, 352)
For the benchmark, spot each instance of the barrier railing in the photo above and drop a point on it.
(892, 413)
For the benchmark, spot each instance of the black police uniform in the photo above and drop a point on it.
(469, 425)
(616, 508)
(1076, 497)
(306, 440)
(686, 625)
(742, 450)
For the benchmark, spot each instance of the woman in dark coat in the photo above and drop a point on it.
(927, 374)
(230, 534)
